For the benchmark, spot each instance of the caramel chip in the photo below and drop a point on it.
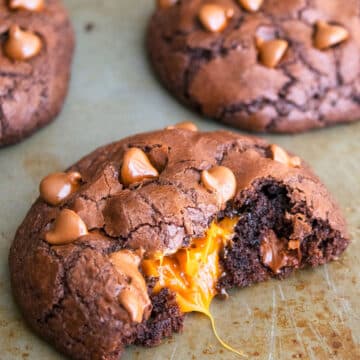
(280, 155)
(221, 180)
(163, 4)
(214, 17)
(271, 52)
(329, 35)
(68, 227)
(251, 5)
(22, 45)
(137, 167)
(186, 125)
(30, 5)
(57, 187)
(133, 297)
(276, 253)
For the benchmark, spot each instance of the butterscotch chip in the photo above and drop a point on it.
(220, 180)
(58, 186)
(271, 52)
(137, 167)
(22, 45)
(163, 4)
(68, 227)
(186, 125)
(30, 5)
(251, 5)
(133, 296)
(280, 155)
(328, 35)
(214, 17)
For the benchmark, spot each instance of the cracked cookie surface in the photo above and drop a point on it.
(34, 76)
(221, 75)
(74, 293)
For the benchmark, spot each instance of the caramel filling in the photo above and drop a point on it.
(194, 272)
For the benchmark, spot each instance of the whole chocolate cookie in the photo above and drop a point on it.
(262, 65)
(36, 48)
(120, 246)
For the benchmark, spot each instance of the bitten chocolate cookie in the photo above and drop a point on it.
(36, 48)
(262, 65)
(120, 246)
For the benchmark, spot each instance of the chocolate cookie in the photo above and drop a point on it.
(262, 65)
(120, 246)
(36, 48)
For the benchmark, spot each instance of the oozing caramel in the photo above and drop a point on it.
(193, 273)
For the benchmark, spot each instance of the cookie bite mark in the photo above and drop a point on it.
(133, 297)
(214, 18)
(271, 52)
(277, 253)
(280, 155)
(328, 35)
(137, 167)
(251, 5)
(185, 125)
(221, 181)
(56, 187)
(22, 45)
(29, 5)
(193, 273)
(67, 228)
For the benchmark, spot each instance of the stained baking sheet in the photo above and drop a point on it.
(313, 315)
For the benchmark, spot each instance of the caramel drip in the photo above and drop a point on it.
(193, 273)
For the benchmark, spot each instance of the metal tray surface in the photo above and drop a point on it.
(314, 314)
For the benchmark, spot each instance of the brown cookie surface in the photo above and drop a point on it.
(36, 48)
(78, 260)
(269, 66)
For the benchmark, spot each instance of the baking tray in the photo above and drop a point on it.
(312, 315)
